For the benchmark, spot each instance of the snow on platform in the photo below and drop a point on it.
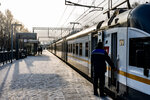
(43, 77)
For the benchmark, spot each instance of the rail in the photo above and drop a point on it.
(6, 57)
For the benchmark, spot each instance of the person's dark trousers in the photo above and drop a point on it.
(101, 78)
(102, 84)
(95, 83)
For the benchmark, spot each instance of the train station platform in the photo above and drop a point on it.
(43, 77)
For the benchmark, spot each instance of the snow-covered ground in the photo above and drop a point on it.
(43, 77)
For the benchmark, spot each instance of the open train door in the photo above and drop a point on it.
(112, 82)
(94, 39)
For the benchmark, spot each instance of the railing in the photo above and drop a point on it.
(6, 56)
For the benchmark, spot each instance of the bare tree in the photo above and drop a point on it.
(5, 29)
(2, 26)
(23, 29)
(9, 21)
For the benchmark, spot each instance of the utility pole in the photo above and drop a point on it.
(128, 4)
(74, 24)
(12, 30)
(59, 29)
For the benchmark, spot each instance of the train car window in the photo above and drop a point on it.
(70, 47)
(73, 48)
(80, 51)
(86, 49)
(59, 47)
(139, 52)
(106, 42)
(77, 47)
(56, 47)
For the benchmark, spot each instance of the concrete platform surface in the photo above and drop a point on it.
(43, 77)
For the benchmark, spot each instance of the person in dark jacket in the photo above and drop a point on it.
(98, 58)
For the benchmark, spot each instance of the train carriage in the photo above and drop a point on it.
(126, 38)
(79, 49)
(59, 48)
(127, 41)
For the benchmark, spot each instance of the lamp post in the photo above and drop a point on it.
(12, 38)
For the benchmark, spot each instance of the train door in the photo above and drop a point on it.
(94, 39)
(113, 73)
(64, 50)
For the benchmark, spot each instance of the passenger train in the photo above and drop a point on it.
(126, 38)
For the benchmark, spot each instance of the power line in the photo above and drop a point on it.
(93, 3)
(70, 13)
(69, 16)
(81, 5)
(79, 18)
(88, 13)
(62, 16)
(87, 9)
(92, 15)
(97, 15)
(82, 14)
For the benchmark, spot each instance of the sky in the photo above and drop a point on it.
(44, 13)
(41, 13)
(54, 13)
(34, 13)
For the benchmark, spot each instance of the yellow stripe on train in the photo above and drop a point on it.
(134, 77)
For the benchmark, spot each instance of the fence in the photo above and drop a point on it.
(6, 56)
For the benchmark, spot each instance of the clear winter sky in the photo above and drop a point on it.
(46, 13)
(35, 12)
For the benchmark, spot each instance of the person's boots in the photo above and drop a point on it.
(95, 92)
(102, 93)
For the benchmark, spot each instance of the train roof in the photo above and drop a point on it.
(133, 18)
(115, 20)
(83, 32)
(138, 17)
(59, 41)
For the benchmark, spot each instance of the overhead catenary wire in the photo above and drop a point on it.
(97, 15)
(82, 16)
(70, 14)
(87, 13)
(85, 20)
(93, 3)
(62, 16)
